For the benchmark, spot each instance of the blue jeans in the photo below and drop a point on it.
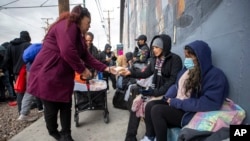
(6, 81)
(26, 103)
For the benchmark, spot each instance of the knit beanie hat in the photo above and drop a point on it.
(158, 42)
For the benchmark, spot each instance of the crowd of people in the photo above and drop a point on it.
(176, 92)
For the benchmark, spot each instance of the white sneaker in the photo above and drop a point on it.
(145, 138)
(27, 118)
(40, 111)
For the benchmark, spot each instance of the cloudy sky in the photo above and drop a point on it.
(15, 18)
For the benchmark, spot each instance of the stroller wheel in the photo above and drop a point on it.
(76, 120)
(106, 118)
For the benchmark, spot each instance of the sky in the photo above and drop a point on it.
(15, 20)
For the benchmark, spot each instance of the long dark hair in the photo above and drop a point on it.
(193, 82)
(75, 16)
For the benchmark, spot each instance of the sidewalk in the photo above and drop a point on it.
(92, 126)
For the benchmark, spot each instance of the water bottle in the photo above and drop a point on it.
(100, 76)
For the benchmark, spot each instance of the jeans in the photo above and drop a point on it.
(26, 103)
(19, 99)
(6, 81)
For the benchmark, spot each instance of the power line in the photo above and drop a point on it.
(21, 21)
(99, 9)
(9, 3)
(101, 16)
(44, 2)
(24, 7)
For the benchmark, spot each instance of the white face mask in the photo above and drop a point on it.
(189, 63)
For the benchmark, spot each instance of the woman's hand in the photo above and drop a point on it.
(125, 72)
(168, 101)
(111, 70)
(86, 74)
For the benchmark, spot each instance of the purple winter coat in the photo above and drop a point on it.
(64, 52)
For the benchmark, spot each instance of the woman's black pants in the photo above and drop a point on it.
(51, 110)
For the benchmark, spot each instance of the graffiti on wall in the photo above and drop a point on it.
(162, 16)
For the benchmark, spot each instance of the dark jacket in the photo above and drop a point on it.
(14, 54)
(94, 51)
(142, 54)
(214, 86)
(111, 55)
(170, 68)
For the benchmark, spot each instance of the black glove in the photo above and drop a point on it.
(164, 98)
(147, 92)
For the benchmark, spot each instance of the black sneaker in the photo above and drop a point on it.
(56, 135)
(66, 137)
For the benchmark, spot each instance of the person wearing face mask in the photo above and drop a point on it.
(200, 87)
(163, 68)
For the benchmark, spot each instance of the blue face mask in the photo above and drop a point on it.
(189, 63)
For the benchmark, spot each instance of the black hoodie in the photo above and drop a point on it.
(14, 53)
(111, 55)
(170, 68)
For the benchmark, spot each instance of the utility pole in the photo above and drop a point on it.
(63, 6)
(108, 24)
(83, 3)
(47, 24)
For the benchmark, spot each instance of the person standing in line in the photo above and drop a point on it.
(2, 75)
(108, 57)
(14, 58)
(163, 68)
(51, 78)
(200, 87)
(28, 57)
(8, 76)
(89, 36)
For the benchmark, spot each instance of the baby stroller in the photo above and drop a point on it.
(90, 96)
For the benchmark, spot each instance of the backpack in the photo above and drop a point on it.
(118, 100)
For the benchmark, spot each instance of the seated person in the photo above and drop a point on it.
(200, 87)
(164, 67)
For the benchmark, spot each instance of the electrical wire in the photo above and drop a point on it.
(24, 7)
(101, 15)
(22, 21)
(44, 2)
(9, 3)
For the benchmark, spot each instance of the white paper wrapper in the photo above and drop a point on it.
(95, 85)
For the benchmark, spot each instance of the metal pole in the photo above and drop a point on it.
(83, 3)
(109, 27)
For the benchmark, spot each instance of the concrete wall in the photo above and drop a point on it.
(223, 24)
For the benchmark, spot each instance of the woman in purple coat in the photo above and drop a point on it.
(51, 78)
